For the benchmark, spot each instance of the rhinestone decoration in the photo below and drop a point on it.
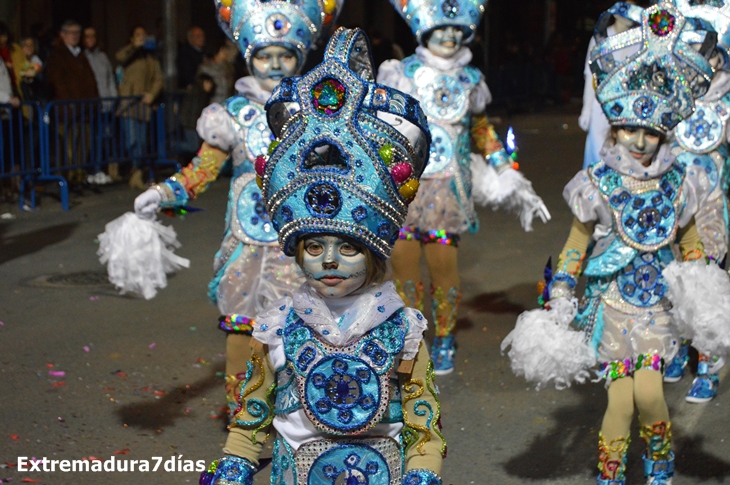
(661, 23)
(709, 3)
(278, 25)
(328, 96)
(323, 200)
(644, 107)
(451, 8)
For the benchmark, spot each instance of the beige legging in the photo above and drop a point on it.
(646, 391)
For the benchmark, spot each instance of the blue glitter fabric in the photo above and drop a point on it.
(423, 16)
(337, 167)
(296, 25)
(421, 477)
(704, 131)
(229, 470)
(343, 390)
(283, 468)
(656, 87)
(717, 14)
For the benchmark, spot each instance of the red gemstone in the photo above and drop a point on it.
(260, 165)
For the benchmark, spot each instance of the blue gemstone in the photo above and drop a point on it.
(278, 24)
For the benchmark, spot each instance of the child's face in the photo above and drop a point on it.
(273, 63)
(445, 42)
(642, 143)
(333, 266)
(208, 86)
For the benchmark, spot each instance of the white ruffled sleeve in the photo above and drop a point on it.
(216, 127)
(585, 201)
(391, 74)
(480, 97)
(418, 324)
(696, 188)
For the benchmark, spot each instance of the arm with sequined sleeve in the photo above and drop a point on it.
(252, 391)
(425, 445)
(194, 178)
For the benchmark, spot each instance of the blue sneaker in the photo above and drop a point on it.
(442, 354)
(659, 472)
(704, 388)
(675, 370)
(608, 481)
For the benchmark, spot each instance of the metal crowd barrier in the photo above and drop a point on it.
(67, 139)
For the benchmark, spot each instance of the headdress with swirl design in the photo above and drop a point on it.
(348, 161)
(294, 24)
(423, 16)
(655, 87)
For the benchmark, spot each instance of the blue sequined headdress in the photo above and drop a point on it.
(425, 15)
(294, 24)
(717, 14)
(655, 87)
(348, 161)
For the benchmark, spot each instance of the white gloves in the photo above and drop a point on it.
(147, 204)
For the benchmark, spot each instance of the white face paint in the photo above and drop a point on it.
(445, 42)
(273, 63)
(332, 266)
(641, 143)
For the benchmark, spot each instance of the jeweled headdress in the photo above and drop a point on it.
(348, 161)
(425, 15)
(294, 24)
(655, 87)
(717, 14)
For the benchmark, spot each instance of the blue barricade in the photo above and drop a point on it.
(21, 142)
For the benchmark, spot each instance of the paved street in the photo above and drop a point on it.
(143, 378)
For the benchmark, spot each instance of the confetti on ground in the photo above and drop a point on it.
(8, 464)
(187, 410)
(14, 437)
(61, 420)
(159, 393)
(220, 374)
(125, 451)
(192, 329)
(31, 480)
(152, 346)
(86, 348)
(2, 324)
(109, 388)
(119, 373)
(146, 389)
(56, 373)
(93, 298)
(50, 366)
(93, 458)
(58, 384)
(202, 361)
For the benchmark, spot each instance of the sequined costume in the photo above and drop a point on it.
(346, 382)
(454, 97)
(628, 217)
(250, 269)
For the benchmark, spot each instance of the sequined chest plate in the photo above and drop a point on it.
(705, 130)
(249, 220)
(344, 390)
(444, 95)
(645, 213)
(252, 118)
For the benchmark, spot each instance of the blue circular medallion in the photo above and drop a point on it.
(251, 214)
(323, 200)
(442, 150)
(641, 282)
(649, 218)
(343, 392)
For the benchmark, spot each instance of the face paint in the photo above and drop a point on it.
(641, 143)
(445, 42)
(273, 63)
(332, 266)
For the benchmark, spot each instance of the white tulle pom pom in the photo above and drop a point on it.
(544, 348)
(139, 254)
(700, 295)
(508, 190)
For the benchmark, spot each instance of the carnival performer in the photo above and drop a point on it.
(454, 96)
(592, 120)
(703, 145)
(250, 269)
(631, 208)
(339, 369)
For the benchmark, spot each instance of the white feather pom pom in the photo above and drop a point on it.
(508, 190)
(139, 254)
(545, 349)
(700, 295)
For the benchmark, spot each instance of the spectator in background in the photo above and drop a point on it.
(70, 77)
(11, 54)
(142, 77)
(106, 81)
(190, 57)
(30, 72)
(220, 68)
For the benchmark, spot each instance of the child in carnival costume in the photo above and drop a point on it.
(339, 369)
(703, 144)
(630, 209)
(454, 97)
(250, 269)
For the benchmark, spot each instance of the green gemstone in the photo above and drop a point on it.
(386, 153)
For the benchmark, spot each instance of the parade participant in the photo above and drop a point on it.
(703, 141)
(592, 120)
(250, 270)
(339, 369)
(635, 205)
(453, 96)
